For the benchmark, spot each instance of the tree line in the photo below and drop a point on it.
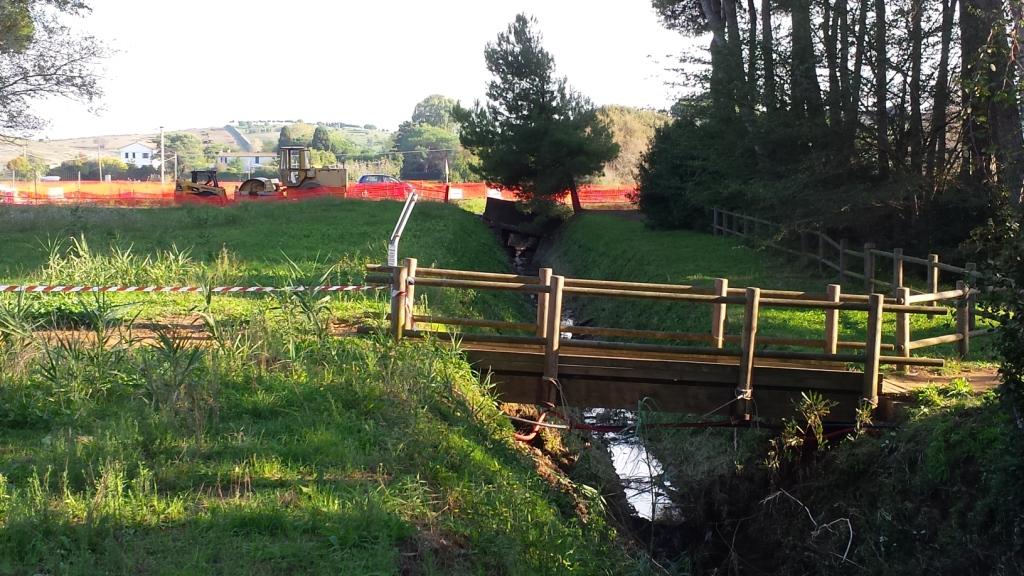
(904, 112)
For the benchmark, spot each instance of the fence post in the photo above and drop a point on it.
(873, 348)
(903, 328)
(745, 386)
(843, 246)
(804, 249)
(714, 223)
(718, 313)
(553, 338)
(869, 267)
(972, 267)
(410, 293)
(897, 269)
(399, 285)
(963, 320)
(544, 279)
(821, 252)
(933, 273)
(832, 320)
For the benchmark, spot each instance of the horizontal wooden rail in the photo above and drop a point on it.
(935, 297)
(632, 333)
(479, 284)
(934, 341)
(459, 274)
(490, 338)
(471, 322)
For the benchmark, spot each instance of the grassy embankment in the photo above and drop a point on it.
(609, 247)
(272, 448)
(937, 495)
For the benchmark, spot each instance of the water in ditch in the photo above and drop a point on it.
(640, 474)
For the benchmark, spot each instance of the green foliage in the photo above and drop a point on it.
(321, 139)
(188, 147)
(632, 129)
(432, 145)
(27, 168)
(535, 135)
(297, 134)
(436, 110)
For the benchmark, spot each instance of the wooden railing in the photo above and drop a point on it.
(815, 246)
(550, 290)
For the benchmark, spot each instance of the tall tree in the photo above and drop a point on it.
(321, 139)
(40, 58)
(936, 158)
(535, 135)
(435, 110)
(881, 92)
(806, 93)
(768, 55)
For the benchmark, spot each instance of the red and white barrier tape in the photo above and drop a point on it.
(45, 289)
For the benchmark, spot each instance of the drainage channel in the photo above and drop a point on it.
(640, 474)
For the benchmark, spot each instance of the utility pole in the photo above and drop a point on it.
(161, 155)
(99, 162)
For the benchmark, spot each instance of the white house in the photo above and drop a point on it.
(139, 154)
(250, 160)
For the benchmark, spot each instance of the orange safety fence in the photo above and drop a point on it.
(132, 193)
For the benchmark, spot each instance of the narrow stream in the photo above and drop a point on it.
(640, 474)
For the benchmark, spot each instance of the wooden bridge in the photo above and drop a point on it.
(742, 375)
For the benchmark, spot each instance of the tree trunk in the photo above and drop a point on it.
(852, 116)
(843, 13)
(881, 90)
(574, 195)
(937, 132)
(915, 132)
(720, 80)
(752, 56)
(830, 32)
(738, 83)
(806, 91)
(768, 56)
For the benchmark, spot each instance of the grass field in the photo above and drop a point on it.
(272, 447)
(610, 247)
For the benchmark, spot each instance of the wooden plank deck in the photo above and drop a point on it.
(703, 385)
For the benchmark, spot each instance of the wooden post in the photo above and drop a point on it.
(821, 252)
(843, 246)
(903, 328)
(718, 312)
(399, 285)
(873, 349)
(972, 267)
(748, 342)
(804, 249)
(933, 273)
(553, 338)
(544, 277)
(832, 320)
(897, 270)
(963, 322)
(410, 293)
(714, 223)
(869, 268)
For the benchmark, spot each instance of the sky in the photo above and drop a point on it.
(193, 63)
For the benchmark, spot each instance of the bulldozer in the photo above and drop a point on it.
(202, 183)
(296, 173)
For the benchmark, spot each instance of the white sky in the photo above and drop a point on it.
(192, 63)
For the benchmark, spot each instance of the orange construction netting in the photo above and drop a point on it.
(131, 193)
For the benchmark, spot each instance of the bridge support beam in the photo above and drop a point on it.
(832, 320)
(745, 386)
(903, 328)
(553, 338)
(544, 277)
(874, 348)
(718, 313)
